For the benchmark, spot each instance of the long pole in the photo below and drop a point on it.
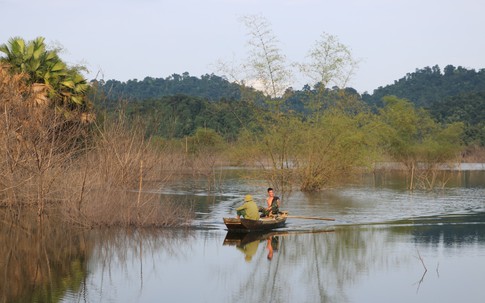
(311, 218)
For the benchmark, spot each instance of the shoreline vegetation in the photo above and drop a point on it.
(65, 155)
(89, 174)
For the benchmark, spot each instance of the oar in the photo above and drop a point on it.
(312, 218)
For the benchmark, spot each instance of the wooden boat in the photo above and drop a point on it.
(247, 225)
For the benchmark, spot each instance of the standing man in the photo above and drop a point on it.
(273, 204)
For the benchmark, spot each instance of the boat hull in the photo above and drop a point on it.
(234, 224)
(247, 225)
(262, 224)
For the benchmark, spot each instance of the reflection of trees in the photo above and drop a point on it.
(48, 262)
(40, 261)
(315, 267)
(448, 229)
(117, 249)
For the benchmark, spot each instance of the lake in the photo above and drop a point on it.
(385, 245)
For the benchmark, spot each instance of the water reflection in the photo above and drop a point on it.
(126, 258)
(371, 255)
(272, 246)
(451, 229)
(248, 243)
(39, 261)
(343, 265)
(46, 261)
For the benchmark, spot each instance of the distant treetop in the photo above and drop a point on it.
(210, 87)
(429, 85)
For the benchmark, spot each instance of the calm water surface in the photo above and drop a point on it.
(386, 245)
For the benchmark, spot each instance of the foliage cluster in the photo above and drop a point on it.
(63, 86)
(455, 95)
(413, 138)
(468, 108)
(179, 116)
(36, 142)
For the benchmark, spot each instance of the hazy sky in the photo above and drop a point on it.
(128, 39)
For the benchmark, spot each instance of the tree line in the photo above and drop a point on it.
(208, 86)
(457, 95)
(429, 86)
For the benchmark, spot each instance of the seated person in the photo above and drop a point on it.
(273, 204)
(249, 210)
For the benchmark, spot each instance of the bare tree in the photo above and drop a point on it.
(266, 63)
(330, 63)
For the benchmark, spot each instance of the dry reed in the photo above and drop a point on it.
(118, 178)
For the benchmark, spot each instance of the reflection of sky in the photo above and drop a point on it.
(451, 277)
(352, 264)
(198, 270)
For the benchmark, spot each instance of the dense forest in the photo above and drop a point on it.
(210, 87)
(456, 94)
(184, 103)
(180, 116)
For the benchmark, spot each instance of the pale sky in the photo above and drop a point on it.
(132, 39)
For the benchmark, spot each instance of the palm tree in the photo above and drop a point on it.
(14, 51)
(65, 86)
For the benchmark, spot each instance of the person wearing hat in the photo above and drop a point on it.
(249, 210)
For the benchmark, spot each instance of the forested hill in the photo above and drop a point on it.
(425, 87)
(429, 86)
(454, 95)
(210, 87)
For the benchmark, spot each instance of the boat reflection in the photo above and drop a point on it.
(248, 243)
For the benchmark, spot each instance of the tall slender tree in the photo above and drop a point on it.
(266, 63)
(329, 63)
